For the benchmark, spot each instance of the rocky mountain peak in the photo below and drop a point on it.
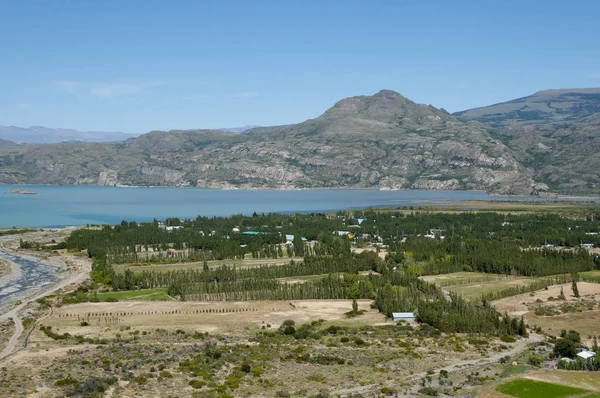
(385, 105)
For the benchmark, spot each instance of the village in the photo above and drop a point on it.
(342, 301)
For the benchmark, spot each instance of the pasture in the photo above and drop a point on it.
(523, 388)
(472, 285)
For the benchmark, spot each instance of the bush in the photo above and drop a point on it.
(246, 368)
(432, 392)
(535, 361)
(141, 380)
(507, 339)
(195, 383)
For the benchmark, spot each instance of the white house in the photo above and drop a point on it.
(235, 229)
(587, 246)
(403, 316)
(173, 227)
(585, 354)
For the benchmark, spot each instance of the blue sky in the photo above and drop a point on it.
(136, 66)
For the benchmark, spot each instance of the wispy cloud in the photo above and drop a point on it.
(196, 96)
(104, 90)
(119, 89)
(23, 106)
(70, 87)
(595, 75)
(243, 94)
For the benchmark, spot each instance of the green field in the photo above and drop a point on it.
(472, 285)
(537, 389)
(590, 276)
(136, 295)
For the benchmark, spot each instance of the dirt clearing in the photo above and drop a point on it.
(224, 317)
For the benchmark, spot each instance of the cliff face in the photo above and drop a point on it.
(382, 141)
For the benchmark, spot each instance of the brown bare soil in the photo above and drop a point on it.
(519, 305)
(224, 317)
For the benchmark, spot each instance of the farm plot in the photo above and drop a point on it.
(523, 388)
(227, 317)
(473, 285)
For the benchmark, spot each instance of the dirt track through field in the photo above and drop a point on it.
(517, 348)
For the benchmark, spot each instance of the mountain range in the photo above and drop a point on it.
(45, 135)
(536, 144)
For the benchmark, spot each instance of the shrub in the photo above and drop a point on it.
(432, 392)
(507, 339)
(141, 380)
(535, 361)
(195, 383)
(246, 368)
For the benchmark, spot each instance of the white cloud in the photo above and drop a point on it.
(119, 89)
(23, 106)
(243, 94)
(104, 90)
(595, 75)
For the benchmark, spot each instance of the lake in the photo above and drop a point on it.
(55, 206)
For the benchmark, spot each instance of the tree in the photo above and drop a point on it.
(298, 246)
(565, 348)
(575, 278)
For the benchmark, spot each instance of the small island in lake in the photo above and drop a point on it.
(21, 192)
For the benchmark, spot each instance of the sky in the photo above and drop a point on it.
(136, 66)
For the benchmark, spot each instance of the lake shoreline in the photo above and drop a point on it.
(73, 205)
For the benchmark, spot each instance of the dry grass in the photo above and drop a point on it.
(520, 304)
(105, 319)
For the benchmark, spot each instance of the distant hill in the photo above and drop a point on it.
(45, 135)
(556, 133)
(545, 108)
(381, 141)
(5, 143)
(237, 129)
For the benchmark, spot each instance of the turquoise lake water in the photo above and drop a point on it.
(55, 206)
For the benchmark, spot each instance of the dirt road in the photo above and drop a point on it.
(517, 348)
(79, 274)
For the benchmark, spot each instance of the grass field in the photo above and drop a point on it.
(537, 389)
(472, 285)
(135, 295)
(590, 276)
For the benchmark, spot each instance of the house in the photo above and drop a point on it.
(341, 233)
(403, 316)
(235, 229)
(361, 220)
(173, 227)
(587, 245)
(586, 355)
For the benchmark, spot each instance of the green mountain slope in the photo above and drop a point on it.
(382, 141)
(556, 133)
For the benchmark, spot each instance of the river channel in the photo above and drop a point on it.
(28, 274)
